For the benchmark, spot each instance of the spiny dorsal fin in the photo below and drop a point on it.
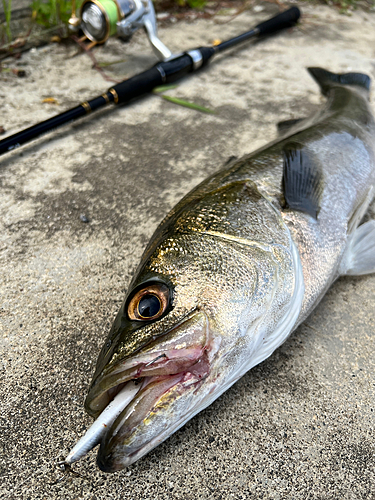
(302, 180)
(326, 80)
(284, 126)
(230, 159)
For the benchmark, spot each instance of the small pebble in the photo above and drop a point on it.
(84, 218)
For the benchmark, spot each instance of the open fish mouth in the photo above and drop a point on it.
(154, 411)
(153, 387)
(181, 349)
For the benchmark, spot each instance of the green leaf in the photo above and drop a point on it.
(163, 88)
(52, 13)
(196, 4)
(187, 104)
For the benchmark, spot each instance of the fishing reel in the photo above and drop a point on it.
(100, 19)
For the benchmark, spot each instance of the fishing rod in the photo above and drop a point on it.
(162, 73)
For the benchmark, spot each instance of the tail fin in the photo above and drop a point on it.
(326, 80)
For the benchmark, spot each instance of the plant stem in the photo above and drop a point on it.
(7, 4)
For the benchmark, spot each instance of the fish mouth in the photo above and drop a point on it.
(168, 372)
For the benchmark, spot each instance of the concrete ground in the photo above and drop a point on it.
(300, 425)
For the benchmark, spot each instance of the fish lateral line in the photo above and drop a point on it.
(237, 239)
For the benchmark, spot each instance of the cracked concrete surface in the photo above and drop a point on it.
(300, 425)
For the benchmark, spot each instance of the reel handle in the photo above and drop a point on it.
(284, 20)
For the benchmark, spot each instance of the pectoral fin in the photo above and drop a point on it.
(359, 256)
(302, 180)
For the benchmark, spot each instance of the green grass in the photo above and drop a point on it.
(194, 4)
(7, 6)
(181, 102)
(52, 12)
(55, 12)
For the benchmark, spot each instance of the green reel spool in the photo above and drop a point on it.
(99, 19)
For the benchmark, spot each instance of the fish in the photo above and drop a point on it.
(232, 270)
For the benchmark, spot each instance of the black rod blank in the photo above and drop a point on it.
(162, 73)
(26, 135)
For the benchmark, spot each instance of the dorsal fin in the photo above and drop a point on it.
(284, 126)
(326, 80)
(302, 179)
(230, 159)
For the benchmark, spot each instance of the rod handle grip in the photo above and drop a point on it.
(136, 86)
(143, 83)
(284, 20)
(162, 73)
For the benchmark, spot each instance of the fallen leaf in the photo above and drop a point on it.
(2, 130)
(216, 42)
(51, 100)
(55, 39)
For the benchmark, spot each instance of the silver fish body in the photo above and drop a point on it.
(235, 267)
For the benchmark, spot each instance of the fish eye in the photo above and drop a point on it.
(149, 303)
